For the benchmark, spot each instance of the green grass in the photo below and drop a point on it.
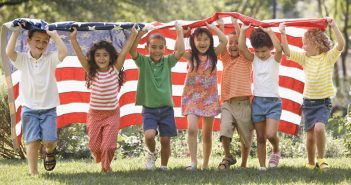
(130, 171)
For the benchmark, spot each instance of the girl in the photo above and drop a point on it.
(103, 67)
(200, 95)
(266, 104)
(318, 63)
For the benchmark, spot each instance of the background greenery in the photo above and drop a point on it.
(73, 139)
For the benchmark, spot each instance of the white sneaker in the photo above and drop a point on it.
(164, 168)
(150, 160)
(262, 168)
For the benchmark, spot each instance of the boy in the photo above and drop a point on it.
(38, 93)
(154, 92)
(235, 93)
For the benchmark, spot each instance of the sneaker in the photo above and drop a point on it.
(322, 164)
(262, 168)
(274, 160)
(191, 167)
(150, 160)
(164, 168)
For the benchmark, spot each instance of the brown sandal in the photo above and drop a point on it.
(226, 163)
(49, 164)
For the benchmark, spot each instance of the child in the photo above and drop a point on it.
(38, 93)
(266, 104)
(235, 93)
(154, 93)
(104, 77)
(318, 63)
(200, 95)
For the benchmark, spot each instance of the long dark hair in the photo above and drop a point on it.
(195, 62)
(92, 64)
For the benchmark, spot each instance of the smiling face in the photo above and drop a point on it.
(102, 59)
(202, 43)
(157, 48)
(232, 46)
(38, 43)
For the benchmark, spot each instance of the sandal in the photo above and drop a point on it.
(191, 167)
(49, 164)
(322, 164)
(226, 162)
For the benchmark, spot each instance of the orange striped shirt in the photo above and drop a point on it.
(104, 90)
(236, 77)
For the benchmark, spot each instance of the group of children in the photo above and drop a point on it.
(104, 74)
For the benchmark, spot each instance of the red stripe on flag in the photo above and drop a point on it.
(287, 127)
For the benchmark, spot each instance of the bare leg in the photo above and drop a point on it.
(261, 142)
(207, 125)
(192, 137)
(165, 150)
(32, 157)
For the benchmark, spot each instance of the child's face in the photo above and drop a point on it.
(156, 49)
(232, 46)
(102, 59)
(202, 43)
(38, 43)
(263, 53)
(309, 47)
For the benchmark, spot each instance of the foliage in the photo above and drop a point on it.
(130, 142)
(73, 142)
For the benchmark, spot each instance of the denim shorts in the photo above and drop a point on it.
(39, 124)
(314, 111)
(161, 119)
(266, 107)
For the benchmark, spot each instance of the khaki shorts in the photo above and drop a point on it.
(237, 114)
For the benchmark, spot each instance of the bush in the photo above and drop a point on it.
(73, 142)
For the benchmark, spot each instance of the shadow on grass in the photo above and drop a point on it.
(281, 175)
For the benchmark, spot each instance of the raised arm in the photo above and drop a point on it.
(242, 43)
(339, 38)
(284, 43)
(122, 55)
(11, 45)
(236, 25)
(82, 59)
(179, 49)
(133, 50)
(222, 38)
(61, 47)
(276, 44)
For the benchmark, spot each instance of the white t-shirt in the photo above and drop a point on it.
(37, 86)
(265, 77)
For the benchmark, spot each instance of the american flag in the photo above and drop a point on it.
(74, 96)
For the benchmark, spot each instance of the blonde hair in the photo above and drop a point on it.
(319, 39)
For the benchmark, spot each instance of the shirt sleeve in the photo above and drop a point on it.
(172, 60)
(139, 60)
(18, 63)
(333, 55)
(297, 56)
(54, 58)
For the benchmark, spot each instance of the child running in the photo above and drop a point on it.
(154, 93)
(38, 93)
(317, 61)
(103, 66)
(200, 95)
(235, 94)
(266, 104)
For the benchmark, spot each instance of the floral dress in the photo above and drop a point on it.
(200, 95)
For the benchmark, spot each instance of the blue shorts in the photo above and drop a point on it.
(39, 124)
(315, 110)
(161, 118)
(266, 107)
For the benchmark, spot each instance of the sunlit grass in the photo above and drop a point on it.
(130, 171)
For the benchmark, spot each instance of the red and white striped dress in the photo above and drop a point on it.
(103, 117)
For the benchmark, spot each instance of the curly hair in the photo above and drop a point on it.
(195, 61)
(92, 63)
(318, 38)
(259, 39)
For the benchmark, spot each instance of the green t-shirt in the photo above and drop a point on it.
(155, 81)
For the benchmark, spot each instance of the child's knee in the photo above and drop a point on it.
(261, 139)
(319, 128)
(150, 134)
(165, 141)
(50, 144)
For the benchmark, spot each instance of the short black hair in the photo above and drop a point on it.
(31, 32)
(259, 39)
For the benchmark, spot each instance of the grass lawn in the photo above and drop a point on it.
(130, 171)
